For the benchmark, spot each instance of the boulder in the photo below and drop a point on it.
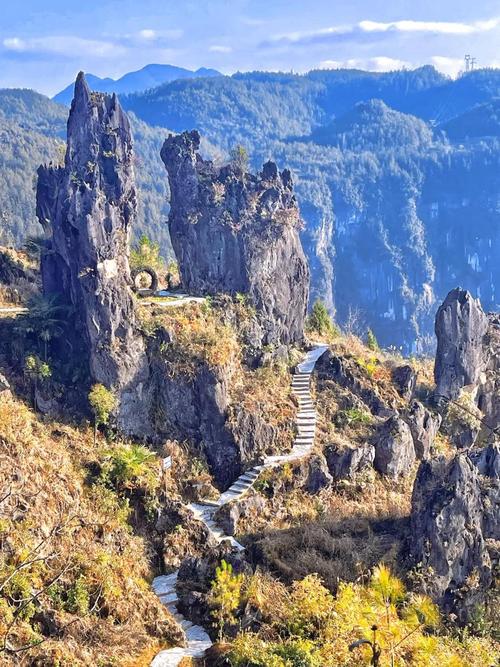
(229, 515)
(394, 448)
(313, 474)
(348, 462)
(424, 426)
(460, 327)
(405, 379)
(235, 232)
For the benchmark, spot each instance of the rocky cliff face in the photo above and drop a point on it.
(453, 517)
(235, 232)
(89, 205)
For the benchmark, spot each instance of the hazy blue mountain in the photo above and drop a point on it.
(373, 125)
(480, 121)
(149, 76)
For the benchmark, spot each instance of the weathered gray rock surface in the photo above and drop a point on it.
(424, 426)
(235, 232)
(348, 462)
(394, 448)
(460, 327)
(89, 205)
(405, 379)
(455, 509)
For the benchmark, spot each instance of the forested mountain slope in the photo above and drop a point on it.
(396, 176)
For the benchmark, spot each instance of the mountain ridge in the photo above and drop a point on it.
(149, 76)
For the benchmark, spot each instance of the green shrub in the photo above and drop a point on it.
(355, 416)
(78, 597)
(239, 157)
(130, 466)
(102, 403)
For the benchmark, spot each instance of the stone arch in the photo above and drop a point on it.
(150, 272)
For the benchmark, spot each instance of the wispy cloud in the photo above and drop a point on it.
(218, 48)
(63, 45)
(437, 27)
(374, 64)
(376, 29)
(150, 35)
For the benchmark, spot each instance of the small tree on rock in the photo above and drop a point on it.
(320, 321)
(372, 341)
(102, 403)
(225, 596)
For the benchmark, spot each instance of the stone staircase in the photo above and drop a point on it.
(197, 639)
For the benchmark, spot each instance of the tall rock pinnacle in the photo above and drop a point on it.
(89, 205)
(235, 232)
(461, 326)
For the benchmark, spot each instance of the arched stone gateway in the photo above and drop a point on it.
(135, 273)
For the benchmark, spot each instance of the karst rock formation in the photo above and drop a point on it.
(461, 326)
(87, 208)
(235, 232)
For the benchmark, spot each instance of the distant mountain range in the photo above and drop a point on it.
(150, 76)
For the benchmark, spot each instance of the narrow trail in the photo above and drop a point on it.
(176, 300)
(197, 639)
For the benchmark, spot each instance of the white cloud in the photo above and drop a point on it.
(449, 66)
(65, 45)
(147, 34)
(375, 64)
(440, 27)
(218, 48)
(367, 27)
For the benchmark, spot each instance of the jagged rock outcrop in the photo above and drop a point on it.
(196, 407)
(452, 517)
(4, 386)
(346, 463)
(488, 399)
(487, 462)
(394, 448)
(89, 205)
(460, 327)
(424, 426)
(312, 474)
(234, 232)
(12, 271)
(347, 374)
(405, 379)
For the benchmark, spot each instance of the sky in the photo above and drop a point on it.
(44, 44)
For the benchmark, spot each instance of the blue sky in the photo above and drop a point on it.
(44, 44)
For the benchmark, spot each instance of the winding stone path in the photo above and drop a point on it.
(197, 639)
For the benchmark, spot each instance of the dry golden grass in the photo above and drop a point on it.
(199, 336)
(100, 598)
